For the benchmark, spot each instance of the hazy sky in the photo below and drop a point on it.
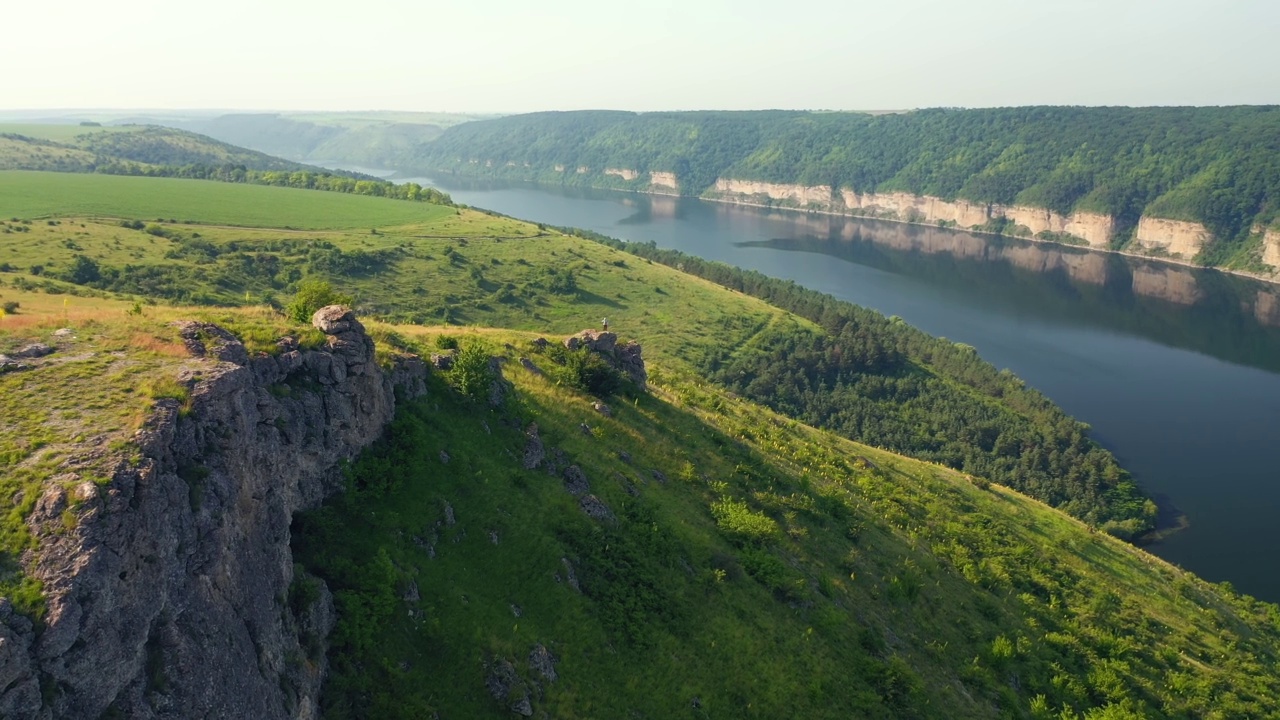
(515, 56)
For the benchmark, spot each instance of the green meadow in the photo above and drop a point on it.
(39, 195)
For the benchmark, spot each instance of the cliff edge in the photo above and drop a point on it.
(173, 593)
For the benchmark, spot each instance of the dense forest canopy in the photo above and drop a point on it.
(1219, 165)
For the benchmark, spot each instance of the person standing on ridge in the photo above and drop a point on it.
(605, 323)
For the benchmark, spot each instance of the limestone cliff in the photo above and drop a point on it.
(1094, 229)
(171, 595)
(1271, 248)
(1178, 238)
(663, 182)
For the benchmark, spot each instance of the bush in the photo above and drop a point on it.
(311, 296)
(11, 307)
(471, 373)
(744, 525)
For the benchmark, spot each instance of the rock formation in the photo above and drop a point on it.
(626, 357)
(171, 596)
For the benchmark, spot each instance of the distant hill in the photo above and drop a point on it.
(364, 139)
(79, 148)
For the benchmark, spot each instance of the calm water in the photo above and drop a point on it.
(1177, 370)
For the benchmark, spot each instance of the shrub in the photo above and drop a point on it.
(311, 296)
(11, 307)
(744, 525)
(471, 373)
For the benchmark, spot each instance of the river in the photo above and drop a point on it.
(1177, 370)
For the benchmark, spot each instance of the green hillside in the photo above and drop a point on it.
(740, 563)
(754, 568)
(854, 370)
(1216, 166)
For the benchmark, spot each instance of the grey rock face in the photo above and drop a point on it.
(595, 508)
(575, 481)
(533, 449)
(542, 662)
(166, 600)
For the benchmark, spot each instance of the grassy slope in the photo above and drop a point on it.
(941, 570)
(893, 588)
(76, 410)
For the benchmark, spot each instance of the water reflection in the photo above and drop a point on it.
(1231, 318)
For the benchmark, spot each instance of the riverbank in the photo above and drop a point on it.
(1270, 279)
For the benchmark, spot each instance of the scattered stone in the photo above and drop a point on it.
(522, 707)
(603, 409)
(410, 595)
(570, 575)
(696, 702)
(627, 485)
(657, 475)
(624, 456)
(444, 457)
(543, 662)
(485, 425)
(534, 452)
(595, 508)
(493, 536)
(585, 428)
(575, 481)
(64, 333)
(442, 361)
(516, 610)
(541, 343)
(448, 514)
(501, 680)
(500, 387)
(8, 366)
(32, 351)
(528, 365)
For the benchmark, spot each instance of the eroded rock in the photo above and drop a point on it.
(148, 577)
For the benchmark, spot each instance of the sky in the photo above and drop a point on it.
(501, 56)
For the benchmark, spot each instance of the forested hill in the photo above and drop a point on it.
(1073, 174)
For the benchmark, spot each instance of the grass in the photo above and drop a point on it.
(58, 133)
(73, 415)
(779, 571)
(448, 266)
(39, 194)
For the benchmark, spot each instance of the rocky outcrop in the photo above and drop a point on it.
(1177, 238)
(626, 357)
(624, 173)
(818, 197)
(663, 182)
(170, 596)
(1271, 248)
